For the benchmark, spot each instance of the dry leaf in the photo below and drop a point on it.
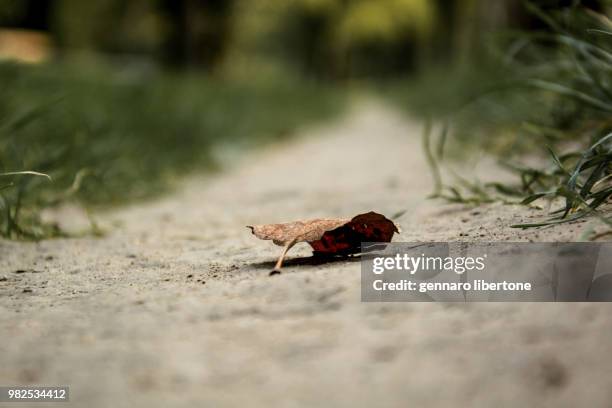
(328, 236)
(347, 239)
(298, 231)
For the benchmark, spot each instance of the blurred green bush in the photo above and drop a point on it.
(110, 135)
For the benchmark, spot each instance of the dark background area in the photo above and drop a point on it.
(332, 39)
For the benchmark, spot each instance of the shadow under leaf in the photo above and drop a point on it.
(308, 261)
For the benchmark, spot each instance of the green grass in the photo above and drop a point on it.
(107, 135)
(579, 74)
(553, 97)
(480, 102)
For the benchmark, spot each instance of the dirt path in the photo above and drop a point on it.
(175, 306)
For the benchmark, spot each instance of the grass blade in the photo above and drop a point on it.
(31, 173)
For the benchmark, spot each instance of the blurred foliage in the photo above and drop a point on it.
(383, 20)
(106, 135)
(325, 38)
(556, 95)
(489, 99)
(251, 70)
(333, 38)
(108, 25)
(11, 9)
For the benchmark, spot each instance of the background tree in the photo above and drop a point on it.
(198, 31)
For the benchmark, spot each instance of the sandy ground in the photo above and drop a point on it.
(174, 306)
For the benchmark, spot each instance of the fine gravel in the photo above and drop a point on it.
(174, 305)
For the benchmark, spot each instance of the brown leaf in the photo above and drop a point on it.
(347, 238)
(328, 236)
(298, 231)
